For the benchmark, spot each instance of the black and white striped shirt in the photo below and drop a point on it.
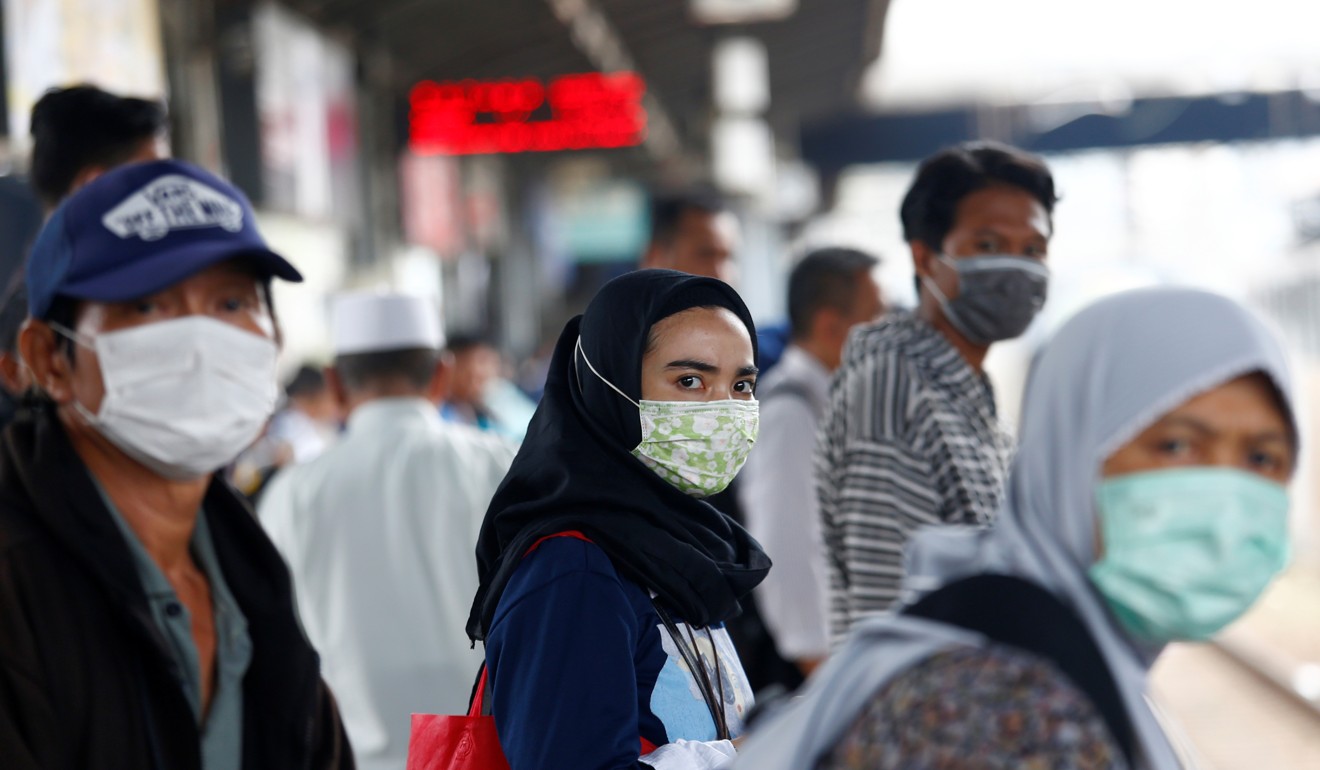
(910, 438)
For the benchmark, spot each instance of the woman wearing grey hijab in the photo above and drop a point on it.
(1148, 502)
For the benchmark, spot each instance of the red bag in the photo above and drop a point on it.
(440, 742)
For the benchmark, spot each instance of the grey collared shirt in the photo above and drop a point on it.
(221, 726)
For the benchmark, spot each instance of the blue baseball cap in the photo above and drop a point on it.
(141, 228)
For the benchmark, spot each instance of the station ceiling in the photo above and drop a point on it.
(817, 56)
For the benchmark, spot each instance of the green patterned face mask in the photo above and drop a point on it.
(698, 446)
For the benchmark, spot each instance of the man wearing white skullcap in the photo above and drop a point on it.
(380, 531)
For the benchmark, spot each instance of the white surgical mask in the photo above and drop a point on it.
(698, 446)
(183, 397)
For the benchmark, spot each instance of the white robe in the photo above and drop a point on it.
(380, 534)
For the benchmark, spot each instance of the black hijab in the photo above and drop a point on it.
(575, 470)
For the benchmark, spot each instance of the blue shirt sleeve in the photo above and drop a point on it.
(560, 657)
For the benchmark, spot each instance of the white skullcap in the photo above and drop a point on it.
(373, 322)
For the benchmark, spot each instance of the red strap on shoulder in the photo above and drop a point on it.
(570, 533)
(645, 746)
(479, 699)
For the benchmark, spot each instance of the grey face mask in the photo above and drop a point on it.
(998, 296)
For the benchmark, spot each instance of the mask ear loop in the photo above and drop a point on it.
(78, 338)
(578, 351)
(930, 280)
(950, 314)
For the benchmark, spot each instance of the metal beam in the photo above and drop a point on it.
(858, 139)
(596, 38)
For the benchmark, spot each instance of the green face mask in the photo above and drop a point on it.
(698, 446)
(1187, 551)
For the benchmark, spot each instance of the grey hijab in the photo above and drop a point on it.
(1109, 373)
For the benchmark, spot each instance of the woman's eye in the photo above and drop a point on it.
(689, 382)
(1174, 447)
(234, 304)
(987, 245)
(145, 307)
(1266, 461)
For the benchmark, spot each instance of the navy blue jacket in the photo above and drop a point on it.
(584, 675)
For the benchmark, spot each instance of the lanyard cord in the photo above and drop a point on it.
(693, 661)
(721, 724)
(722, 721)
(719, 678)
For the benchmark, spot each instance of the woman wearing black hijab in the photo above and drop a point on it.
(605, 578)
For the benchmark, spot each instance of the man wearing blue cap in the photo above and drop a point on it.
(145, 619)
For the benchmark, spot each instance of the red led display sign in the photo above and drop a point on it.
(573, 112)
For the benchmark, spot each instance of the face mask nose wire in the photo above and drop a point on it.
(578, 351)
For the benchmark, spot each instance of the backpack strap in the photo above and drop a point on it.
(1039, 623)
(573, 533)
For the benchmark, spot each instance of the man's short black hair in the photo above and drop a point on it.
(81, 126)
(364, 371)
(824, 278)
(668, 208)
(308, 380)
(463, 341)
(945, 178)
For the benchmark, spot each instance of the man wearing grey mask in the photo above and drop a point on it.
(911, 436)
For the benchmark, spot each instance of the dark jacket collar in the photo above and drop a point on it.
(42, 476)
(40, 472)
(43, 479)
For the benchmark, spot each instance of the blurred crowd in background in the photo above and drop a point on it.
(448, 219)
